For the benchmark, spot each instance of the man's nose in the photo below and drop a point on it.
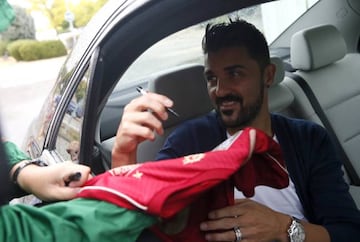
(222, 88)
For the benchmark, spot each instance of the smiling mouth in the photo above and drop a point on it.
(227, 104)
(228, 101)
(227, 112)
(228, 107)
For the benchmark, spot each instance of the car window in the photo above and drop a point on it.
(68, 139)
(185, 46)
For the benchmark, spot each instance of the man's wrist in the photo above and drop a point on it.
(286, 222)
(122, 158)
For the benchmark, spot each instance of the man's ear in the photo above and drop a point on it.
(269, 74)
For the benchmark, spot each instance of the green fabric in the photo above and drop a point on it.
(13, 153)
(78, 220)
(7, 15)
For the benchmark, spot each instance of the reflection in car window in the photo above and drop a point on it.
(42, 124)
(68, 140)
(48, 111)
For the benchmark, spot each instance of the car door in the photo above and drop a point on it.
(60, 127)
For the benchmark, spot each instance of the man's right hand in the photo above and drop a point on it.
(142, 117)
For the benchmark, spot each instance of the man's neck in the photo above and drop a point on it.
(263, 124)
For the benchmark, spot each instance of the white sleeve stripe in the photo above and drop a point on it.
(117, 193)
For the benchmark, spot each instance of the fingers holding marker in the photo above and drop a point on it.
(158, 99)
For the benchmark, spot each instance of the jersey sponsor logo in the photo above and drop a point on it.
(193, 158)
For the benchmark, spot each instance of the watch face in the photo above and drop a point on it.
(296, 232)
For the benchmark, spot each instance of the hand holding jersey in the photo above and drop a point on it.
(164, 188)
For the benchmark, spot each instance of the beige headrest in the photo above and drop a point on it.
(280, 71)
(316, 47)
(186, 86)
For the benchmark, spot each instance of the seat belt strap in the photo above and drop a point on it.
(353, 176)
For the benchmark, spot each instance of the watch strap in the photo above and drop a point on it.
(24, 164)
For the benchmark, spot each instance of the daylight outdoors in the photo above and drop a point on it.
(33, 46)
(42, 32)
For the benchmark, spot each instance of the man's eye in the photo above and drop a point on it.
(235, 73)
(211, 79)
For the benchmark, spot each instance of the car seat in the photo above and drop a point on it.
(280, 97)
(186, 86)
(319, 55)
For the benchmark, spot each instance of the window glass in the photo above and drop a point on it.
(68, 140)
(46, 115)
(42, 124)
(185, 46)
(278, 15)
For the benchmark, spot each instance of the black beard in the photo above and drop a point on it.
(229, 98)
(247, 114)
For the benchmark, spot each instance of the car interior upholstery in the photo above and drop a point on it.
(186, 86)
(320, 57)
(280, 96)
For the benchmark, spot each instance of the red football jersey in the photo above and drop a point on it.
(164, 188)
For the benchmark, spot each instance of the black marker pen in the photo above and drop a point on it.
(73, 177)
(143, 92)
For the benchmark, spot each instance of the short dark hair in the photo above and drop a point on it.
(237, 33)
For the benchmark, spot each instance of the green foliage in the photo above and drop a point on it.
(3, 45)
(58, 10)
(14, 47)
(52, 48)
(22, 27)
(81, 91)
(55, 12)
(86, 10)
(28, 50)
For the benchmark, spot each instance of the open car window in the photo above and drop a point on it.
(185, 46)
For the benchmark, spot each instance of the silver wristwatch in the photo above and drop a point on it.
(296, 231)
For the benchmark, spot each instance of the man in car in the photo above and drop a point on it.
(316, 206)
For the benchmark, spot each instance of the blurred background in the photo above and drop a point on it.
(35, 38)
